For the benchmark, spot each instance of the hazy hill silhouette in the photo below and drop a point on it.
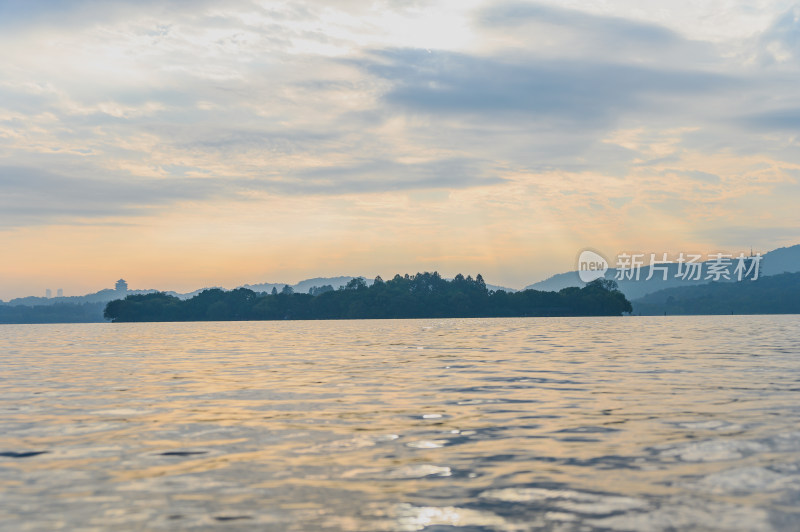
(786, 259)
(771, 294)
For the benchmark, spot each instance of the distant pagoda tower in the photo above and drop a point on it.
(121, 287)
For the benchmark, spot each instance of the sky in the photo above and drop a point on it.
(194, 143)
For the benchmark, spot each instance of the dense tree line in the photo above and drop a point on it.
(774, 294)
(425, 295)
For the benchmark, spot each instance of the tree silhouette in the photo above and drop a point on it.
(424, 295)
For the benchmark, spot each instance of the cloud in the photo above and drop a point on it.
(695, 175)
(578, 93)
(773, 120)
(780, 43)
(739, 237)
(33, 196)
(23, 15)
(547, 30)
(387, 175)
(593, 27)
(142, 106)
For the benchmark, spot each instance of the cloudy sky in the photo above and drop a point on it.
(192, 143)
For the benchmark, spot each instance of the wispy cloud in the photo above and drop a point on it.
(38, 197)
(511, 89)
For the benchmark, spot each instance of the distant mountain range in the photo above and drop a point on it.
(304, 286)
(781, 260)
(103, 296)
(673, 295)
(106, 295)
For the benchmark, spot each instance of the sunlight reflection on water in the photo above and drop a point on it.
(480, 424)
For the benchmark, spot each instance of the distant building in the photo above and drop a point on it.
(121, 287)
(60, 292)
(48, 293)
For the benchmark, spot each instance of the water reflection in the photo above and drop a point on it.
(508, 424)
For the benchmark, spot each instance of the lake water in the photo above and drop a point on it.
(637, 423)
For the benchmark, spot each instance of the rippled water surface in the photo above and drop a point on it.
(504, 424)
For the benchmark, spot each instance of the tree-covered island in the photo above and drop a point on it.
(424, 295)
